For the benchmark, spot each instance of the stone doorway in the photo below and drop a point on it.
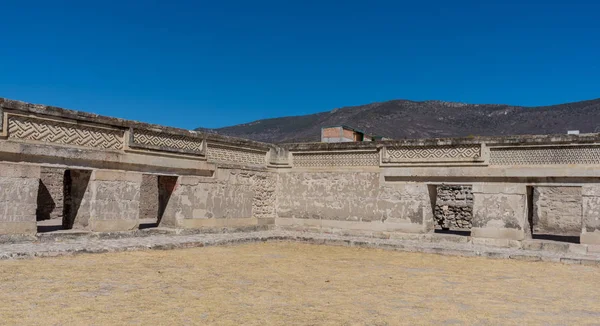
(155, 193)
(60, 197)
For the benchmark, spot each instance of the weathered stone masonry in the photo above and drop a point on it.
(104, 174)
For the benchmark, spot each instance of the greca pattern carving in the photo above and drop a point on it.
(335, 159)
(432, 152)
(216, 153)
(159, 139)
(545, 155)
(51, 131)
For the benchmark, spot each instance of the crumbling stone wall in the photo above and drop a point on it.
(557, 210)
(50, 194)
(454, 206)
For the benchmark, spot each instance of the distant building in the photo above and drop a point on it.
(573, 132)
(342, 134)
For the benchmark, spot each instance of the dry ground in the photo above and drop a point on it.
(294, 284)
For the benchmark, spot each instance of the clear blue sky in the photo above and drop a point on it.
(216, 63)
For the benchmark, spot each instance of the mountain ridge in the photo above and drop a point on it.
(401, 119)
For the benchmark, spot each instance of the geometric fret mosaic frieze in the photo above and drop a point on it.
(225, 154)
(165, 140)
(545, 155)
(28, 128)
(335, 159)
(432, 152)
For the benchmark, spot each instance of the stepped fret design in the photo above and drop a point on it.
(433, 152)
(164, 140)
(335, 159)
(50, 131)
(545, 155)
(216, 153)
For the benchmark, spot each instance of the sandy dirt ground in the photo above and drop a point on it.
(294, 284)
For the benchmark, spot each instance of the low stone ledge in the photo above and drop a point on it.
(165, 241)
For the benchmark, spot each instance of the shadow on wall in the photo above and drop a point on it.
(166, 186)
(45, 203)
(75, 185)
(156, 191)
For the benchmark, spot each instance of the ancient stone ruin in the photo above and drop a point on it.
(81, 171)
(454, 207)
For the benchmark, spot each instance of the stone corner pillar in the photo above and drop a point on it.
(105, 200)
(500, 211)
(590, 229)
(19, 185)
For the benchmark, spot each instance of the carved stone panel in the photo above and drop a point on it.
(326, 159)
(226, 154)
(545, 155)
(446, 153)
(64, 133)
(166, 142)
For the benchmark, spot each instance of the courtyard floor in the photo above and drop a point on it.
(294, 284)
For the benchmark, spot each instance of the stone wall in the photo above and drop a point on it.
(18, 198)
(50, 194)
(149, 200)
(557, 210)
(233, 197)
(217, 181)
(500, 211)
(454, 206)
(352, 200)
(102, 200)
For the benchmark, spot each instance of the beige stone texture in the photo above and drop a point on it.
(354, 200)
(213, 181)
(499, 211)
(19, 185)
(149, 197)
(557, 210)
(107, 201)
(590, 233)
(29, 227)
(231, 194)
(50, 194)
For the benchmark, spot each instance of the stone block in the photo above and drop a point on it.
(115, 175)
(19, 187)
(591, 214)
(593, 248)
(531, 245)
(555, 246)
(501, 243)
(499, 211)
(557, 210)
(578, 248)
(103, 201)
(592, 238)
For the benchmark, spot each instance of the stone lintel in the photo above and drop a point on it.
(115, 175)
